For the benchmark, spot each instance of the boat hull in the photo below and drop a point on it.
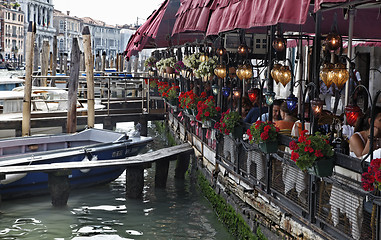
(36, 183)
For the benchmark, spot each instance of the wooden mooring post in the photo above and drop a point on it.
(59, 187)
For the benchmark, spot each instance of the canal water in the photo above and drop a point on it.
(176, 212)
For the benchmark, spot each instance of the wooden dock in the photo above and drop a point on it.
(59, 185)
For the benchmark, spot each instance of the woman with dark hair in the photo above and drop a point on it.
(359, 141)
(288, 119)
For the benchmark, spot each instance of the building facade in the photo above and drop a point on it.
(105, 38)
(12, 33)
(67, 27)
(40, 12)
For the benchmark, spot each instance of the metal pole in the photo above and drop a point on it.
(349, 54)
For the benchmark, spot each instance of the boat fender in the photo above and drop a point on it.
(10, 178)
(86, 159)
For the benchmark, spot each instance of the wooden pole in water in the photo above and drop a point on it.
(89, 62)
(36, 56)
(30, 37)
(54, 58)
(65, 64)
(103, 61)
(73, 88)
(45, 61)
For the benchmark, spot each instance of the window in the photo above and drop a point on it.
(62, 25)
(14, 16)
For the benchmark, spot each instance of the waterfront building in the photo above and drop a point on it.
(12, 33)
(105, 38)
(40, 12)
(67, 28)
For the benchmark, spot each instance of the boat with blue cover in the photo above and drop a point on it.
(88, 145)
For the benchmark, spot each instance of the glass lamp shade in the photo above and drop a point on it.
(220, 71)
(253, 94)
(247, 71)
(270, 96)
(243, 49)
(333, 41)
(341, 75)
(274, 72)
(317, 106)
(239, 72)
(236, 92)
(279, 44)
(203, 58)
(221, 51)
(284, 75)
(215, 89)
(292, 102)
(327, 67)
(352, 112)
(226, 91)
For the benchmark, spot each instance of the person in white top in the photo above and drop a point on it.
(359, 141)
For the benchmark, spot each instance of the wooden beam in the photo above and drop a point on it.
(89, 76)
(139, 160)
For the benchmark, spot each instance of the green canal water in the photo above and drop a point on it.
(103, 212)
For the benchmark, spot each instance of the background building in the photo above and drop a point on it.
(40, 12)
(67, 27)
(12, 33)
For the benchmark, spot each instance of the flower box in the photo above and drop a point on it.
(268, 147)
(321, 168)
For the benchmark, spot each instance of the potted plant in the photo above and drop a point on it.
(265, 134)
(168, 63)
(192, 61)
(162, 87)
(230, 124)
(206, 68)
(150, 63)
(206, 111)
(178, 67)
(371, 179)
(171, 95)
(313, 153)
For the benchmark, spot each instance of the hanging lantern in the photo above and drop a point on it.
(221, 51)
(236, 92)
(292, 102)
(327, 67)
(247, 71)
(279, 44)
(253, 94)
(274, 72)
(284, 75)
(341, 75)
(317, 106)
(220, 71)
(243, 49)
(215, 89)
(352, 112)
(226, 91)
(203, 57)
(333, 41)
(269, 96)
(239, 72)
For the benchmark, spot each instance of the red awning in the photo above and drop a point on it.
(192, 16)
(245, 14)
(156, 31)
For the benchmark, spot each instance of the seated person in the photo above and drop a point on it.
(276, 112)
(359, 141)
(254, 113)
(288, 119)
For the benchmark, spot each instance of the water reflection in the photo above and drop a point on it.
(103, 212)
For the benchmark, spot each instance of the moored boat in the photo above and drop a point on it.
(88, 145)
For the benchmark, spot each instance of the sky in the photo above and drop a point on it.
(111, 11)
